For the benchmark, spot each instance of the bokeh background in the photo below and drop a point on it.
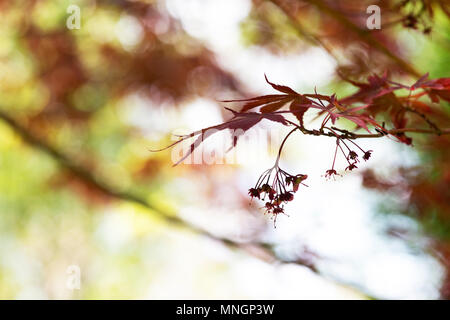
(80, 110)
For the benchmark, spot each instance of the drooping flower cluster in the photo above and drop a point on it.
(276, 187)
(351, 156)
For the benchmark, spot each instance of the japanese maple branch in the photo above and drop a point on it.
(261, 251)
(363, 35)
(311, 38)
(345, 134)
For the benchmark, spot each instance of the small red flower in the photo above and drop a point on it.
(288, 196)
(352, 155)
(272, 194)
(268, 206)
(254, 193)
(331, 173)
(367, 155)
(266, 188)
(278, 210)
(298, 179)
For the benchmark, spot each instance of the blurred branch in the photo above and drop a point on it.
(363, 35)
(295, 23)
(261, 251)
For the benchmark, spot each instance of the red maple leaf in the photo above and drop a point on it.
(239, 124)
